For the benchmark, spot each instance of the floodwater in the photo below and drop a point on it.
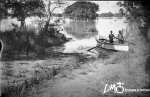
(83, 33)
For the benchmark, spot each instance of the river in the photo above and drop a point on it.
(84, 32)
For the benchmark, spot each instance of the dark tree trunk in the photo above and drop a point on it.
(27, 54)
(144, 31)
(147, 29)
(28, 45)
(23, 23)
(46, 25)
(18, 54)
(44, 36)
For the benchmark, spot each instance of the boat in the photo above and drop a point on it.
(104, 44)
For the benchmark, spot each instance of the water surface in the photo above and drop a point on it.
(84, 32)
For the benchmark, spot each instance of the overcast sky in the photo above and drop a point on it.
(104, 6)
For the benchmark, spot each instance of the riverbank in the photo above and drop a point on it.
(75, 75)
(91, 78)
(129, 68)
(18, 78)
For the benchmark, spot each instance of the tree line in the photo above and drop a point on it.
(82, 10)
(110, 14)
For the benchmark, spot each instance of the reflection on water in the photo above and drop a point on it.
(81, 29)
(84, 32)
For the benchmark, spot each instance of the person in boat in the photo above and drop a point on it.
(111, 37)
(120, 37)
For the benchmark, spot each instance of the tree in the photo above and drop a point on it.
(138, 11)
(29, 40)
(118, 14)
(21, 9)
(19, 40)
(3, 11)
(48, 29)
(82, 10)
(121, 11)
(51, 6)
(109, 14)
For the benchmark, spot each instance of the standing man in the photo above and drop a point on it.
(111, 37)
(120, 37)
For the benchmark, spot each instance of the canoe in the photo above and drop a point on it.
(112, 46)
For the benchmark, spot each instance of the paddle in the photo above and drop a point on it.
(91, 48)
(125, 41)
(104, 41)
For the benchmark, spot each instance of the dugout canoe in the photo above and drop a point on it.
(111, 46)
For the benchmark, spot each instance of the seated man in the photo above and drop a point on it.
(111, 37)
(120, 37)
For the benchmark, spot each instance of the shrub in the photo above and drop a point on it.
(24, 40)
(18, 40)
(47, 39)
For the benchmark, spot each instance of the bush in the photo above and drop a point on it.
(48, 39)
(18, 40)
(24, 40)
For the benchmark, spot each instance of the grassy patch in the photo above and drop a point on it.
(28, 76)
(117, 57)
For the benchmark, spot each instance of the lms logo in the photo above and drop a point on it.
(116, 88)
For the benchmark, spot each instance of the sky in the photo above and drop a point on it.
(104, 6)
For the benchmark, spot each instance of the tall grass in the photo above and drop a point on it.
(41, 72)
(28, 85)
(117, 58)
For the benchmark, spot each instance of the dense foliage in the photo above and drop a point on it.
(109, 14)
(21, 9)
(20, 41)
(82, 11)
(138, 11)
(3, 11)
(118, 15)
(16, 41)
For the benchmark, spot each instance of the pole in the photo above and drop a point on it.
(125, 41)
